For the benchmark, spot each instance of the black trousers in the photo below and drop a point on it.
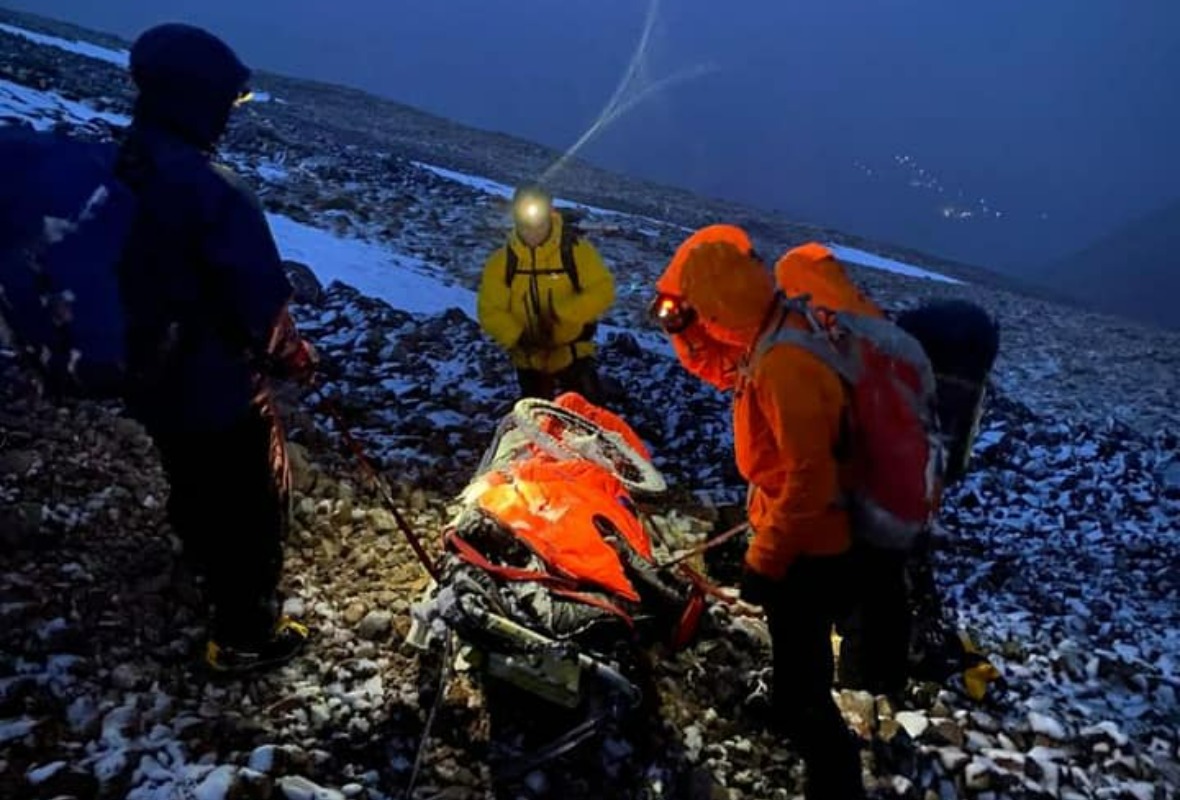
(876, 631)
(581, 376)
(229, 503)
(804, 605)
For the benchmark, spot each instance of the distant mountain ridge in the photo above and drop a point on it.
(386, 125)
(1133, 272)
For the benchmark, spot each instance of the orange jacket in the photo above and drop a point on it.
(556, 507)
(788, 406)
(552, 506)
(787, 419)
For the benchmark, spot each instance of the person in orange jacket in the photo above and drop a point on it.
(715, 300)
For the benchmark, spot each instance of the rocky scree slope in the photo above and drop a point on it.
(345, 170)
(1059, 555)
(1061, 550)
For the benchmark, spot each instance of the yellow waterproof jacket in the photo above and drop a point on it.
(538, 316)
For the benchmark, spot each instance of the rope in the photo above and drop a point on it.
(704, 546)
(332, 410)
(444, 676)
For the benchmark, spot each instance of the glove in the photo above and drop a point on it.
(757, 589)
(531, 342)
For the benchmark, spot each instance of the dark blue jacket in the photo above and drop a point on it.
(202, 255)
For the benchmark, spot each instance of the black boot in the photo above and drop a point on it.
(286, 641)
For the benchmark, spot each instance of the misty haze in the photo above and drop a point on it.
(1004, 134)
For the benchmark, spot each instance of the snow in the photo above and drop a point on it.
(272, 173)
(263, 758)
(1028, 577)
(447, 419)
(41, 774)
(473, 181)
(119, 58)
(498, 189)
(400, 280)
(216, 785)
(1046, 725)
(295, 787)
(16, 728)
(405, 282)
(865, 259)
(43, 109)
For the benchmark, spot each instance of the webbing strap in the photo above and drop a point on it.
(472, 556)
(560, 586)
(597, 602)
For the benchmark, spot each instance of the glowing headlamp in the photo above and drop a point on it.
(530, 208)
(245, 95)
(532, 212)
(671, 313)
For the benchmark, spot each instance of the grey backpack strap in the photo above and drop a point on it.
(816, 342)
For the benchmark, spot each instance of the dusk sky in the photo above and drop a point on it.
(1001, 133)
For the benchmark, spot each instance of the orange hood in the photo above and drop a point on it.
(716, 273)
(812, 269)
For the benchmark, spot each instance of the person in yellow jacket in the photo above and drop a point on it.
(540, 298)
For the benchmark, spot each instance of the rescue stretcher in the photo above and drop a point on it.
(550, 581)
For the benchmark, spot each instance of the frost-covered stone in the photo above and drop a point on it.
(1058, 554)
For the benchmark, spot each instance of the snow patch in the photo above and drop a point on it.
(216, 785)
(272, 173)
(11, 729)
(402, 281)
(41, 774)
(498, 189)
(295, 787)
(472, 181)
(865, 259)
(120, 58)
(43, 110)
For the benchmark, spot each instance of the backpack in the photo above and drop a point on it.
(64, 222)
(962, 342)
(892, 447)
(571, 233)
(813, 271)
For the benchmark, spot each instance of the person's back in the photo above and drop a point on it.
(202, 259)
(206, 302)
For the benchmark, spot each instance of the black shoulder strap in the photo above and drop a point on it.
(511, 262)
(569, 240)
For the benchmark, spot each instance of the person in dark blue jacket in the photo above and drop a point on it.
(206, 299)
